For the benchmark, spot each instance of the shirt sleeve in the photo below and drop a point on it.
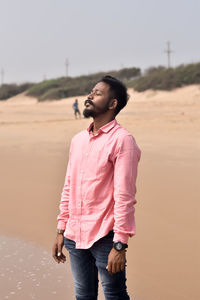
(125, 174)
(64, 201)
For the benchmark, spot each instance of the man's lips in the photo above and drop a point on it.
(88, 102)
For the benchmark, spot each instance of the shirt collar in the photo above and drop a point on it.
(106, 128)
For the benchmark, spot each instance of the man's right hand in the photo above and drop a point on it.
(57, 249)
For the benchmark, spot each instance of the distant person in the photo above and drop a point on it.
(76, 109)
(97, 204)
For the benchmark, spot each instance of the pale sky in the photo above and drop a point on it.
(36, 36)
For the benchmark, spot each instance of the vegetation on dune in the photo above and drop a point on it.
(156, 78)
(161, 78)
(68, 87)
(10, 90)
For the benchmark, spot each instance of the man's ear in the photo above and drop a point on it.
(113, 104)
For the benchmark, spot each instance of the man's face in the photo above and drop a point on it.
(98, 100)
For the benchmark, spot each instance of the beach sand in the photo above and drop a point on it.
(163, 257)
(28, 272)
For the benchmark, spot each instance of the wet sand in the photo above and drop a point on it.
(163, 257)
(28, 272)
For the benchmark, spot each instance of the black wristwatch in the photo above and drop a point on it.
(119, 246)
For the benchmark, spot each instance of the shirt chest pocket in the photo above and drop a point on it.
(96, 164)
(104, 163)
(97, 159)
(103, 160)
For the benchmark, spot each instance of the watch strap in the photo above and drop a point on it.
(119, 246)
(60, 231)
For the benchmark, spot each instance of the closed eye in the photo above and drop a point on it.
(96, 92)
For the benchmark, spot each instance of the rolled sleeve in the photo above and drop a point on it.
(125, 174)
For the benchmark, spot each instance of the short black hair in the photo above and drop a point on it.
(118, 91)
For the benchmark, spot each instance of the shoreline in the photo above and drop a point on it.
(28, 272)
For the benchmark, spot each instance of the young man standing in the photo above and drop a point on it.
(97, 204)
(76, 109)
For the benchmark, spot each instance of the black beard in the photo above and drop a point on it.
(87, 113)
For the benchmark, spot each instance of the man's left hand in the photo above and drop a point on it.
(116, 261)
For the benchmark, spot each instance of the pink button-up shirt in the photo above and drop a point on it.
(100, 186)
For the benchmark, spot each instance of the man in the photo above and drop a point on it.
(76, 109)
(97, 204)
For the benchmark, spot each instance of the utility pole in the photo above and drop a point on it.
(2, 76)
(67, 67)
(168, 51)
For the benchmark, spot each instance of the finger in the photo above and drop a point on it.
(56, 258)
(118, 268)
(62, 258)
(59, 250)
(122, 267)
(59, 259)
(113, 270)
(109, 268)
(54, 253)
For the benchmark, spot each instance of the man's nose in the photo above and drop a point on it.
(90, 96)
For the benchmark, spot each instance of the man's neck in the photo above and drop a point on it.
(99, 122)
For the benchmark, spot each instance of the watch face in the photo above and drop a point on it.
(119, 246)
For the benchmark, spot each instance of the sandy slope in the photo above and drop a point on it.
(163, 258)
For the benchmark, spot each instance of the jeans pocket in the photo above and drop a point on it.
(69, 244)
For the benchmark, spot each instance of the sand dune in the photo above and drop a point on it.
(163, 257)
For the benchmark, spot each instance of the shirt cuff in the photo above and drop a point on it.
(61, 225)
(121, 237)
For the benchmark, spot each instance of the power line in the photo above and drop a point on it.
(67, 67)
(168, 51)
(2, 76)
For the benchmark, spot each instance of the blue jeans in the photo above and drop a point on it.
(85, 265)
